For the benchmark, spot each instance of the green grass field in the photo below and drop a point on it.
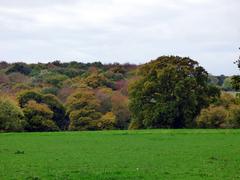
(146, 154)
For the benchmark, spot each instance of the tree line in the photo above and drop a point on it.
(169, 92)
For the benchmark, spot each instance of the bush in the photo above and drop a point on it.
(225, 113)
(45, 76)
(38, 117)
(21, 87)
(107, 121)
(104, 96)
(21, 68)
(121, 110)
(83, 119)
(18, 78)
(50, 101)
(234, 116)
(33, 108)
(212, 117)
(11, 116)
(26, 96)
(50, 90)
(135, 125)
(70, 72)
(96, 80)
(59, 113)
(83, 110)
(225, 100)
(227, 84)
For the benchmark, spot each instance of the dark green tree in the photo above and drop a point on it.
(28, 95)
(19, 67)
(58, 110)
(39, 117)
(50, 101)
(170, 93)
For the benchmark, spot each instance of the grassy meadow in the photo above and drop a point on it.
(143, 154)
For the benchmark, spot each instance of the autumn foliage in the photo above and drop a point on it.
(169, 92)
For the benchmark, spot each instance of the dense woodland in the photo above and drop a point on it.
(169, 92)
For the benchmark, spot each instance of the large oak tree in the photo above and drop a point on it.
(170, 93)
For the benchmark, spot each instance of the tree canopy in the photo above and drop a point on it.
(11, 116)
(170, 93)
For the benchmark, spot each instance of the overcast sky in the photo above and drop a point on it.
(134, 31)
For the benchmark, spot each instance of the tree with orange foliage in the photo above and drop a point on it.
(83, 110)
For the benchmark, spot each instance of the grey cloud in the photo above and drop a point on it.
(121, 30)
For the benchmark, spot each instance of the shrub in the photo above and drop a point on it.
(121, 110)
(226, 99)
(212, 117)
(227, 84)
(45, 76)
(38, 117)
(97, 80)
(21, 68)
(18, 78)
(4, 79)
(83, 110)
(21, 87)
(70, 72)
(135, 125)
(234, 116)
(84, 119)
(104, 96)
(65, 92)
(33, 108)
(11, 116)
(26, 96)
(225, 113)
(107, 121)
(50, 101)
(50, 90)
(58, 110)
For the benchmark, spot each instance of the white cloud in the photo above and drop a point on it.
(121, 30)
